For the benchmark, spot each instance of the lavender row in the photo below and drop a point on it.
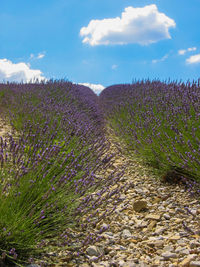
(159, 121)
(48, 168)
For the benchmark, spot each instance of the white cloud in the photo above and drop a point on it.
(114, 67)
(161, 59)
(97, 88)
(38, 56)
(18, 72)
(193, 59)
(32, 56)
(143, 25)
(192, 49)
(184, 51)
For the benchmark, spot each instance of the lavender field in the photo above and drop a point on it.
(50, 166)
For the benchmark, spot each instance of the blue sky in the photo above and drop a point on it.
(101, 42)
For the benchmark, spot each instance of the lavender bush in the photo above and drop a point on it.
(160, 122)
(48, 168)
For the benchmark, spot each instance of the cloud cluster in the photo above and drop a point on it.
(161, 59)
(18, 72)
(144, 25)
(97, 88)
(184, 51)
(193, 59)
(39, 56)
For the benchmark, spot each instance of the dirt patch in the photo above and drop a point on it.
(5, 128)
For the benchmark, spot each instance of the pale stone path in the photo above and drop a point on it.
(5, 128)
(156, 224)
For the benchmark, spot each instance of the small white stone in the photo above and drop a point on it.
(126, 233)
(105, 226)
(109, 234)
(185, 252)
(166, 216)
(194, 244)
(195, 264)
(121, 263)
(93, 259)
(169, 255)
(130, 264)
(168, 248)
(160, 230)
(193, 211)
(153, 217)
(94, 251)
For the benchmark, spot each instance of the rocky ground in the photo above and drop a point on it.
(156, 224)
(5, 129)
